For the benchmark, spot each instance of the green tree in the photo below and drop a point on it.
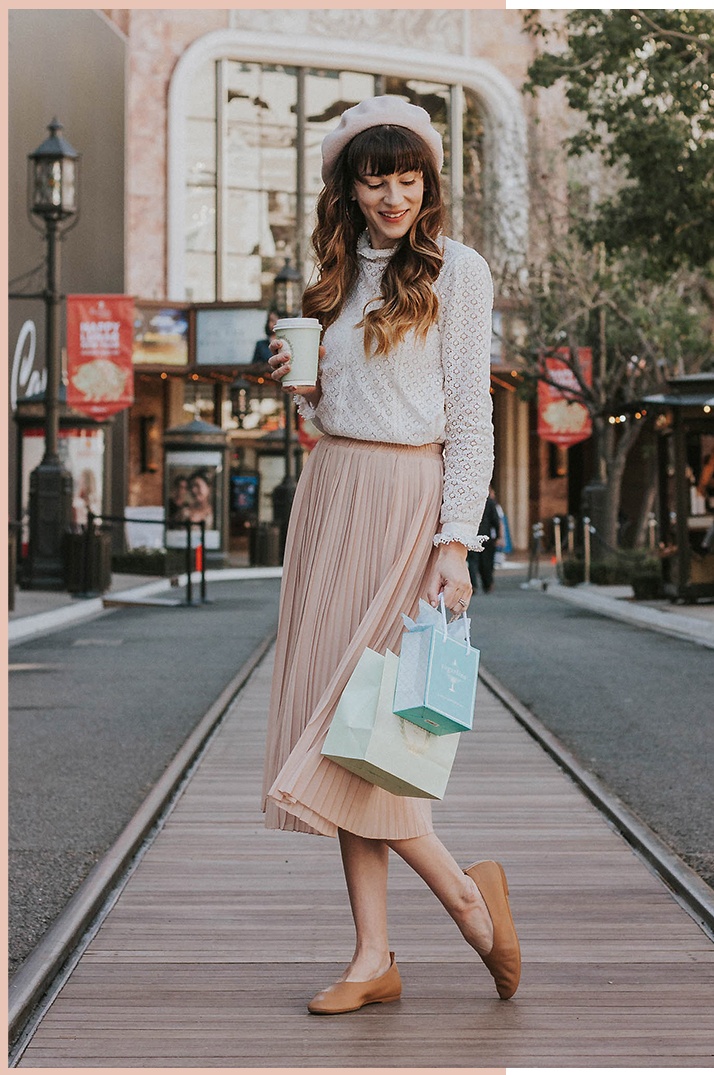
(643, 85)
(640, 331)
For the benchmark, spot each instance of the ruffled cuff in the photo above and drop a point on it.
(466, 535)
(305, 409)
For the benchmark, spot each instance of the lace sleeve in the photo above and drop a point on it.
(308, 412)
(467, 300)
(305, 409)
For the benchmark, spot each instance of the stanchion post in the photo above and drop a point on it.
(534, 565)
(571, 535)
(652, 530)
(189, 564)
(586, 545)
(558, 547)
(87, 559)
(203, 561)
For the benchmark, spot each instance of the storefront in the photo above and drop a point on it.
(685, 428)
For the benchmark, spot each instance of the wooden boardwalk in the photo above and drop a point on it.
(225, 931)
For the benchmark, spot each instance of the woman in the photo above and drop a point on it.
(387, 506)
(200, 508)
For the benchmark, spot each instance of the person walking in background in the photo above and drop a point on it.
(386, 508)
(262, 352)
(481, 563)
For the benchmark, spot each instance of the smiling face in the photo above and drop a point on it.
(390, 204)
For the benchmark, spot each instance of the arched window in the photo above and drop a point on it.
(251, 166)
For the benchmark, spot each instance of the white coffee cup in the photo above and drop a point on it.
(302, 336)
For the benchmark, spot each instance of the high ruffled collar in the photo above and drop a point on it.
(366, 251)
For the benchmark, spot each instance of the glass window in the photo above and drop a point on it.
(251, 194)
(473, 172)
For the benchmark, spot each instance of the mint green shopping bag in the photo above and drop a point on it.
(367, 737)
(438, 673)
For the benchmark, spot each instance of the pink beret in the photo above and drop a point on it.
(375, 112)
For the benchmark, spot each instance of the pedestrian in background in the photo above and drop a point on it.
(481, 562)
(262, 352)
(385, 511)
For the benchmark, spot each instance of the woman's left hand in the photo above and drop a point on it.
(450, 575)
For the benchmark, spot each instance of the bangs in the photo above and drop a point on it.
(386, 150)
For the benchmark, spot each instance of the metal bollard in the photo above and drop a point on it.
(189, 564)
(586, 545)
(534, 563)
(571, 535)
(558, 548)
(652, 530)
(203, 561)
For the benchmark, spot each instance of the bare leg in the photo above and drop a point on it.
(455, 890)
(365, 864)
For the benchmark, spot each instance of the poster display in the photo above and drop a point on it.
(193, 493)
(81, 452)
(160, 335)
(562, 419)
(100, 375)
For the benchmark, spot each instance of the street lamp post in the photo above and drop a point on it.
(52, 197)
(288, 297)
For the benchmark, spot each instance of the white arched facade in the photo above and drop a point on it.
(505, 179)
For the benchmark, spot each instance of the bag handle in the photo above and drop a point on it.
(442, 605)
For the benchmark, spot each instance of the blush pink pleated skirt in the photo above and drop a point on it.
(358, 550)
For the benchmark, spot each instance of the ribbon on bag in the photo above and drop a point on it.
(432, 617)
(438, 672)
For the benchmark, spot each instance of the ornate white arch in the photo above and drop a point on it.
(505, 142)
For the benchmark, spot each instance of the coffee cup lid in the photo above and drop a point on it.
(297, 322)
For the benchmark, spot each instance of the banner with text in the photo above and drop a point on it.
(100, 337)
(562, 419)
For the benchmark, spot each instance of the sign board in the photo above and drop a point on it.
(160, 334)
(100, 375)
(226, 336)
(562, 419)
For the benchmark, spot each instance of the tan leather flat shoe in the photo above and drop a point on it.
(349, 996)
(504, 959)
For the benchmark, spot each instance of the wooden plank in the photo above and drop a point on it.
(225, 930)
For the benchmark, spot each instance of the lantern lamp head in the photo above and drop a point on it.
(53, 174)
(288, 291)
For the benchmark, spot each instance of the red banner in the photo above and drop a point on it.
(562, 419)
(100, 337)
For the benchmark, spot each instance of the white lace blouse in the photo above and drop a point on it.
(434, 390)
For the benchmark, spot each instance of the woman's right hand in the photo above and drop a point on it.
(280, 364)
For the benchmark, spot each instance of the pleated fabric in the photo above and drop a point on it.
(358, 549)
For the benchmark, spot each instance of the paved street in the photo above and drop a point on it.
(225, 930)
(633, 705)
(97, 711)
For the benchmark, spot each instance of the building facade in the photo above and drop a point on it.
(48, 77)
(225, 112)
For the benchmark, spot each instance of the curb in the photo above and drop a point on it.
(686, 628)
(24, 628)
(693, 894)
(45, 964)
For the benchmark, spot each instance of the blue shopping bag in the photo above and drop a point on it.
(438, 672)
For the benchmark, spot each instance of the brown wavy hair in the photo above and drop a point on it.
(408, 298)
